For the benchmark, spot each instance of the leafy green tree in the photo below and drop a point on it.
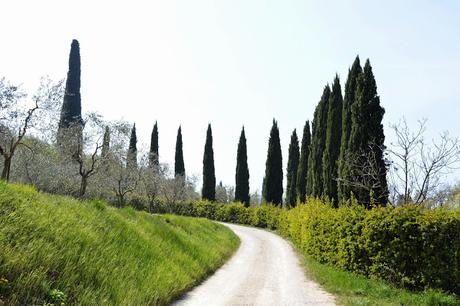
(292, 168)
(179, 167)
(315, 159)
(208, 191)
(349, 99)
(153, 153)
(303, 164)
(131, 160)
(273, 182)
(366, 143)
(333, 140)
(242, 172)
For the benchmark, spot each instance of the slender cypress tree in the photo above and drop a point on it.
(344, 158)
(153, 154)
(209, 176)
(315, 160)
(303, 164)
(71, 108)
(292, 168)
(273, 183)
(242, 172)
(131, 160)
(179, 168)
(70, 127)
(333, 140)
(367, 141)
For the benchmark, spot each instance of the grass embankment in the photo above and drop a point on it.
(55, 249)
(353, 289)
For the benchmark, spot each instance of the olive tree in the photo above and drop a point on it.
(18, 115)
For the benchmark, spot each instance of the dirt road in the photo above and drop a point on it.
(264, 271)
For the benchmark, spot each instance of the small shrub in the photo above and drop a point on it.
(56, 297)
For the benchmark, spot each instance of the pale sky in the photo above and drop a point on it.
(234, 63)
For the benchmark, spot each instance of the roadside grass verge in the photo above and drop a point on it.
(353, 289)
(56, 250)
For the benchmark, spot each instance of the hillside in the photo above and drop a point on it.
(56, 249)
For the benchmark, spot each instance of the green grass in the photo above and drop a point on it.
(352, 289)
(56, 249)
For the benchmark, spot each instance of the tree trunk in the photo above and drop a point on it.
(6, 168)
(83, 185)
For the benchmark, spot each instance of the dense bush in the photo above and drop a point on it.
(411, 247)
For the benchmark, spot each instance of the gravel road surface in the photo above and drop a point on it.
(264, 271)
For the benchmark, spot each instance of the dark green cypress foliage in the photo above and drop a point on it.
(303, 164)
(292, 167)
(179, 167)
(242, 172)
(367, 140)
(349, 99)
(333, 140)
(70, 128)
(71, 108)
(273, 184)
(315, 160)
(153, 153)
(131, 160)
(209, 176)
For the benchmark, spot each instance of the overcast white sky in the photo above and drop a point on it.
(234, 63)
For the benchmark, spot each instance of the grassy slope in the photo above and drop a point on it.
(352, 289)
(97, 255)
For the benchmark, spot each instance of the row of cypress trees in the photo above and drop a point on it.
(298, 164)
(209, 178)
(347, 134)
(344, 156)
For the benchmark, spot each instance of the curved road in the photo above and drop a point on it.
(264, 271)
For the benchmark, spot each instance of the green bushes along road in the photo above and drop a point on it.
(410, 247)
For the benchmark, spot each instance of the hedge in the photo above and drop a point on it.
(410, 247)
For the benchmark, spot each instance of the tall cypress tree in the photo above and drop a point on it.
(209, 176)
(71, 108)
(315, 160)
(131, 160)
(366, 142)
(273, 183)
(303, 164)
(344, 157)
(179, 167)
(333, 140)
(292, 167)
(153, 153)
(242, 172)
(71, 124)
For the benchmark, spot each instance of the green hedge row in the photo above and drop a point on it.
(411, 247)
